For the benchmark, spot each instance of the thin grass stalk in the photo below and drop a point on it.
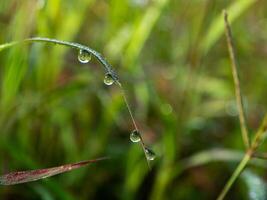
(259, 136)
(238, 93)
(256, 142)
(234, 176)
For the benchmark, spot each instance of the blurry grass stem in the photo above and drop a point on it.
(256, 142)
(238, 93)
(259, 136)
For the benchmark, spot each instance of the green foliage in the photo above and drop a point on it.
(172, 58)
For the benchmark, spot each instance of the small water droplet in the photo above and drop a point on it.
(150, 154)
(108, 80)
(84, 56)
(135, 136)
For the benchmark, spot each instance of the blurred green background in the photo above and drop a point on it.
(171, 57)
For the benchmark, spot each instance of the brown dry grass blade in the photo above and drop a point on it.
(34, 175)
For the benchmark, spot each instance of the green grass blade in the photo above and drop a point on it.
(216, 29)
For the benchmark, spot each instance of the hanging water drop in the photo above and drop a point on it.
(84, 56)
(135, 136)
(150, 155)
(108, 80)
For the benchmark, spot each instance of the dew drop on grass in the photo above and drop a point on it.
(84, 56)
(108, 80)
(150, 154)
(135, 136)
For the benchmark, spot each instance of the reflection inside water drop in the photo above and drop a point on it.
(135, 136)
(108, 80)
(84, 56)
(150, 155)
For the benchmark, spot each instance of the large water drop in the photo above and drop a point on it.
(135, 136)
(84, 56)
(108, 80)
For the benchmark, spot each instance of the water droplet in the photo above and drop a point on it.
(135, 136)
(150, 155)
(84, 56)
(108, 80)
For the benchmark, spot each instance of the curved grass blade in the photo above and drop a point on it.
(34, 175)
(108, 68)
